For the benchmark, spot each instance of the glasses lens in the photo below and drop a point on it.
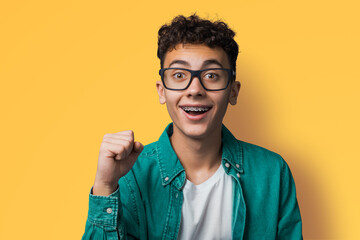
(176, 78)
(214, 79)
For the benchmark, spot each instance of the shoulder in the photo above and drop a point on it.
(146, 164)
(149, 150)
(257, 157)
(149, 153)
(258, 151)
(265, 169)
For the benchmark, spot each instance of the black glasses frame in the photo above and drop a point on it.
(196, 73)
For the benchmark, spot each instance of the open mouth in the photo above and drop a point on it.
(195, 110)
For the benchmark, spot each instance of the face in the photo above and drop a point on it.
(213, 104)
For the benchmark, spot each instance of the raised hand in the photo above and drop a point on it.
(118, 153)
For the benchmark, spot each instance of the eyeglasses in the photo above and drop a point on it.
(212, 79)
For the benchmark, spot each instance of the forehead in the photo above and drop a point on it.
(195, 55)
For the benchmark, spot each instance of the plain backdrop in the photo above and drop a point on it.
(72, 71)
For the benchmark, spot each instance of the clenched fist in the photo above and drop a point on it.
(118, 153)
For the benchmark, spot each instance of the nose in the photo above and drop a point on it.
(195, 88)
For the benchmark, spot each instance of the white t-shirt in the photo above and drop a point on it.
(207, 208)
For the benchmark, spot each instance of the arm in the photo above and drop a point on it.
(104, 217)
(289, 221)
(118, 153)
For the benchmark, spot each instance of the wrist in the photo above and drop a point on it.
(101, 189)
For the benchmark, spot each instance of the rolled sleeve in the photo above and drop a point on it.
(104, 216)
(104, 210)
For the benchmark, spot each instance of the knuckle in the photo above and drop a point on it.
(122, 149)
(130, 132)
(127, 142)
(102, 148)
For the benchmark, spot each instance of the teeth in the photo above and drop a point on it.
(196, 109)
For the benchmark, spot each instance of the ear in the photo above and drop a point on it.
(161, 91)
(235, 88)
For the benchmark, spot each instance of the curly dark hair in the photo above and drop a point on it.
(195, 30)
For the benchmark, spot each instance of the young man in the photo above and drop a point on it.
(197, 181)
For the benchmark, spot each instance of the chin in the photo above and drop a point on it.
(195, 131)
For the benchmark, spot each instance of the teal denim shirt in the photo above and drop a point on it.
(147, 204)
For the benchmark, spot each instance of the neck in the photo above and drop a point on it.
(197, 154)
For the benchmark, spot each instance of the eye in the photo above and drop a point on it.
(211, 76)
(178, 75)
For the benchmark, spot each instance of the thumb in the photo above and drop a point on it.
(138, 147)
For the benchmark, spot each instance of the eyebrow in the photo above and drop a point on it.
(205, 64)
(179, 62)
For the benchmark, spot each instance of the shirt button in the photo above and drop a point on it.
(166, 179)
(238, 174)
(237, 165)
(109, 210)
(227, 165)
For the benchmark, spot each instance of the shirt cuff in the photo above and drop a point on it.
(104, 210)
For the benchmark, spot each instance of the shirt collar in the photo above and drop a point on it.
(169, 163)
(232, 151)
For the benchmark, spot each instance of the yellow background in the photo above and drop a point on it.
(72, 71)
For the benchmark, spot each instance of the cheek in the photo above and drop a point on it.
(223, 99)
(222, 102)
(172, 100)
